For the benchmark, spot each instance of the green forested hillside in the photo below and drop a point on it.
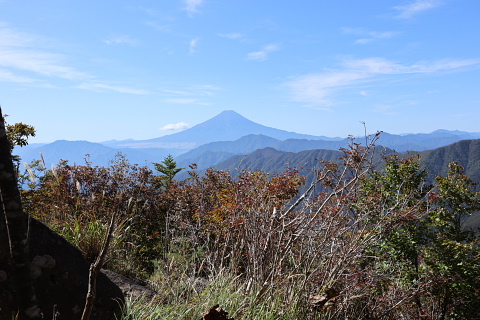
(435, 162)
(465, 152)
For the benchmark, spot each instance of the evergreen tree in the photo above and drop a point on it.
(169, 169)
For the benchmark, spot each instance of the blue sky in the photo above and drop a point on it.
(101, 70)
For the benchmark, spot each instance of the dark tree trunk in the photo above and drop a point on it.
(16, 221)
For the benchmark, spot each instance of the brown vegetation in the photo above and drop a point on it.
(357, 243)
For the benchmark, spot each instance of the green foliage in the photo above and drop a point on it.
(359, 242)
(19, 133)
(429, 252)
(78, 201)
(452, 255)
(191, 298)
(168, 167)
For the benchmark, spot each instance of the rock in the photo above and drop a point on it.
(326, 299)
(60, 275)
(131, 289)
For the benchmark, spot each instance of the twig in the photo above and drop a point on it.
(95, 269)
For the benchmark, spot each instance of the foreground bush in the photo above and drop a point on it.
(358, 243)
(78, 201)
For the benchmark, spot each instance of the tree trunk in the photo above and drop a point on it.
(16, 221)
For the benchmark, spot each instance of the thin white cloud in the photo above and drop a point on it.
(204, 90)
(385, 109)
(195, 94)
(20, 52)
(107, 87)
(359, 31)
(364, 40)
(25, 58)
(166, 27)
(178, 92)
(175, 126)
(148, 11)
(377, 36)
(192, 48)
(194, 90)
(318, 90)
(370, 36)
(231, 35)
(410, 10)
(13, 38)
(191, 6)
(377, 66)
(119, 40)
(7, 76)
(262, 55)
(41, 63)
(186, 101)
(384, 34)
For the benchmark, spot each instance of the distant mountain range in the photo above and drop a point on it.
(227, 126)
(215, 141)
(465, 152)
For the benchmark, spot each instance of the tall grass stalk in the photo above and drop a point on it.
(187, 300)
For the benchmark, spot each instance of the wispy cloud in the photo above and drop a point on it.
(195, 94)
(42, 63)
(26, 58)
(410, 10)
(185, 101)
(148, 11)
(380, 66)
(108, 87)
(377, 36)
(262, 55)
(370, 36)
(232, 35)
(385, 109)
(191, 6)
(125, 39)
(319, 89)
(175, 126)
(21, 52)
(192, 48)
(165, 27)
(177, 92)
(7, 76)
(205, 89)
(316, 90)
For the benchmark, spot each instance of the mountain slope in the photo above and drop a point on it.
(275, 161)
(77, 151)
(465, 152)
(221, 137)
(227, 126)
(244, 145)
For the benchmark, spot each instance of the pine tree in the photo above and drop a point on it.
(169, 169)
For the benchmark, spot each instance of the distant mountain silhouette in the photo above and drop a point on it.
(248, 144)
(219, 151)
(216, 140)
(227, 126)
(76, 153)
(275, 161)
(465, 152)
(435, 162)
